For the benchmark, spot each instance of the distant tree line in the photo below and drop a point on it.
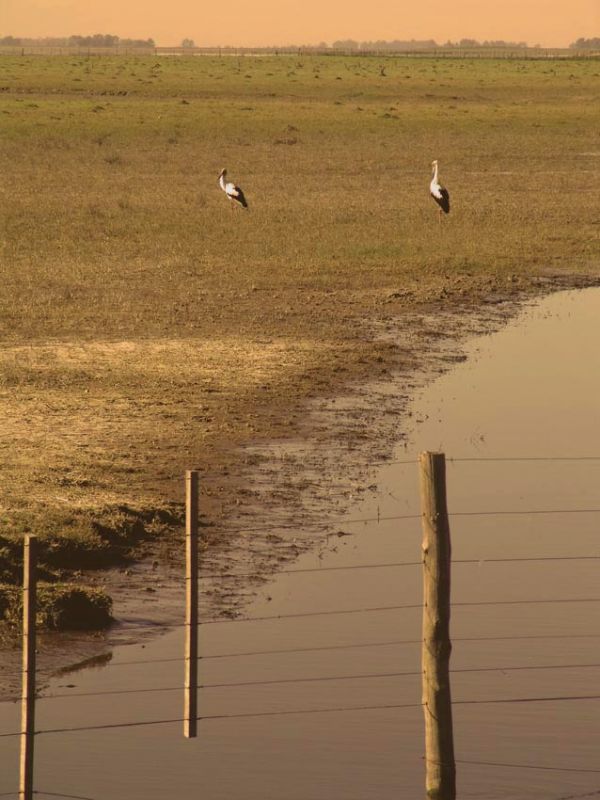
(416, 44)
(347, 45)
(96, 40)
(586, 44)
(486, 43)
(380, 44)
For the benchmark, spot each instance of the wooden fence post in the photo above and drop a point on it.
(440, 781)
(190, 708)
(28, 688)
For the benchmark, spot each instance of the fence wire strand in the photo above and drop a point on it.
(525, 766)
(318, 679)
(490, 459)
(593, 793)
(389, 564)
(58, 794)
(410, 606)
(397, 517)
(297, 650)
(289, 712)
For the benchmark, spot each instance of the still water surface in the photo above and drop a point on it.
(533, 389)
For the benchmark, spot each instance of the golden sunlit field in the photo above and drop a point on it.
(146, 327)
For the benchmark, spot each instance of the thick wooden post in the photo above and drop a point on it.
(440, 781)
(190, 708)
(28, 690)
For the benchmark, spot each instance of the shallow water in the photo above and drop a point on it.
(531, 390)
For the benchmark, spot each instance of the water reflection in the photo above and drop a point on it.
(531, 390)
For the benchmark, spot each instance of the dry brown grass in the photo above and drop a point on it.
(99, 423)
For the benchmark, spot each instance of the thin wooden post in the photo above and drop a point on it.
(190, 709)
(440, 781)
(28, 689)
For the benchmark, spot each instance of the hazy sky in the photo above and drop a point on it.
(262, 22)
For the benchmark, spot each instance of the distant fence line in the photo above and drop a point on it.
(54, 50)
(438, 52)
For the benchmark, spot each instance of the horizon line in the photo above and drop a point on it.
(357, 44)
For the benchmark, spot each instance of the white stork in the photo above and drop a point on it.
(438, 192)
(233, 192)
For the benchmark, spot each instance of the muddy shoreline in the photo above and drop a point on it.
(266, 501)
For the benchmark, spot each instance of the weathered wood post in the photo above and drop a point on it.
(440, 781)
(190, 704)
(28, 687)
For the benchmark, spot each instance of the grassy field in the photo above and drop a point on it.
(145, 328)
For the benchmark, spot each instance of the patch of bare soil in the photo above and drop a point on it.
(284, 437)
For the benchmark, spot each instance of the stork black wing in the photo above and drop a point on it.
(240, 197)
(444, 201)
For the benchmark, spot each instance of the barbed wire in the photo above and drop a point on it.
(315, 525)
(511, 765)
(398, 517)
(552, 698)
(396, 642)
(526, 512)
(225, 575)
(593, 793)
(58, 794)
(303, 571)
(526, 458)
(296, 650)
(406, 607)
(383, 644)
(464, 459)
(526, 766)
(128, 549)
(373, 609)
(344, 611)
(317, 679)
(289, 712)
(478, 561)
(495, 513)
